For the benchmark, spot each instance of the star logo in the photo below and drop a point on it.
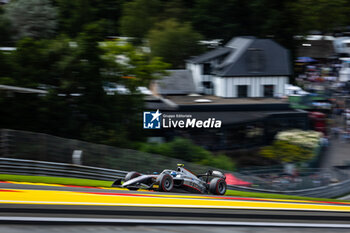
(152, 120)
(156, 115)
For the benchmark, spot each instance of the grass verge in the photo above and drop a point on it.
(101, 183)
(56, 180)
(278, 196)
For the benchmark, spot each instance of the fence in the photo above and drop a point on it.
(24, 149)
(305, 178)
(328, 191)
(43, 147)
(32, 167)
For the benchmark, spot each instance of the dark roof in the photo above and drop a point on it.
(211, 54)
(157, 102)
(262, 57)
(249, 56)
(318, 49)
(178, 82)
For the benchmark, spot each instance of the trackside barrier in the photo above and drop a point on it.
(23, 152)
(329, 191)
(26, 145)
(304, 178)
(32, 167)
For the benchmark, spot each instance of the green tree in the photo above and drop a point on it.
(31, 18)
(174, 42)
(6, 69)
(176, 9)
(29, 62)
(276, 20)
(138, 17)
(73, 71)
(74, 15)
(322, 15)
(70, 70)
(5, 29)
(110, 11)
(130, 66)
(223, 20)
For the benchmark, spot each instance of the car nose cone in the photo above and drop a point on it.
(134, 181)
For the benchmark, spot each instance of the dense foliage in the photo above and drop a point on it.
(174, 42)
(184, 149)
(31, 18)
(74, 71)
(214, 20)
(62, 47)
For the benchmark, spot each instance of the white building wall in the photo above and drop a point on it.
(227, 87)
(219, 86)
(196, 70)
(216, 85)
(231, 91)
(254, 87)
(223, 91)
(281, 90)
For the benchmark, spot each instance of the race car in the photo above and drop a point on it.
(178, 180)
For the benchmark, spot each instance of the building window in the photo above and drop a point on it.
(208, 87)
(268, 90)
(242, 91)
(208, 84)
(206, 68)
(255, 60)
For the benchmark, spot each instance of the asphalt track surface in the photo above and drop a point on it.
(77, 208)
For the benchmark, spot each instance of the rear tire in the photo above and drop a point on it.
(131, 175)
(217, 186)
(165, 182)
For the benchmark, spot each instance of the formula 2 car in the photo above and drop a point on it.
(178, 180)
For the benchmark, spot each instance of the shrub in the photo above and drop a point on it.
(184, 149)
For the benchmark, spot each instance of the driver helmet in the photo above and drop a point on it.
(173, 173)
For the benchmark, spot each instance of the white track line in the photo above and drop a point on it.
(176, 222)
(169, 205)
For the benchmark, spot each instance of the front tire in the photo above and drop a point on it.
(165, 182)
(131, 175)
(217, 186)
